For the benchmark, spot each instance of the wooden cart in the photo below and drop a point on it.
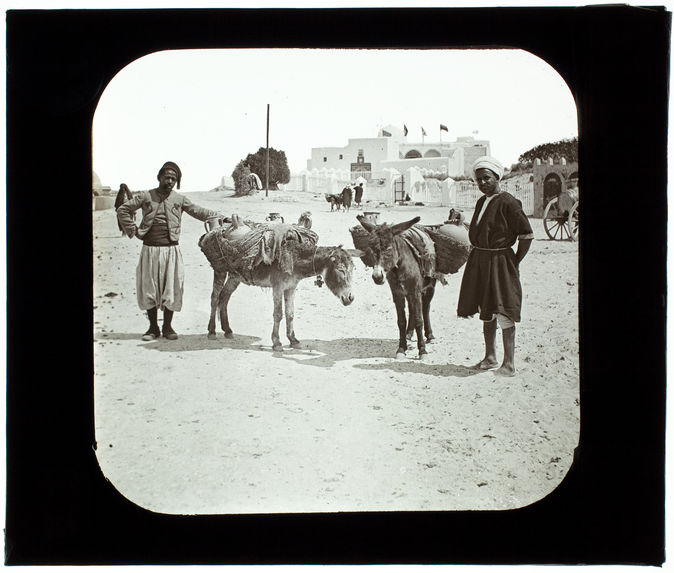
(561, 216)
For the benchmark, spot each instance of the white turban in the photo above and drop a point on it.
(486, 162)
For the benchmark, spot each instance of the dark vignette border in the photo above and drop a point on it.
(609, 509)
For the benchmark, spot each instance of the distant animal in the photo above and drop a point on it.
(395, 261)
(282, 274)
(334, 200)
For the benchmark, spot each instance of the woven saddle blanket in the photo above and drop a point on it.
(263, 244)
(423, 248)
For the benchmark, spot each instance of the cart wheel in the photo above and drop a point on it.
(556, 227)
(574, 220)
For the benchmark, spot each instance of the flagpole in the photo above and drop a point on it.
(266, 181)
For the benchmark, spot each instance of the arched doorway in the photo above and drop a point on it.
(432, 153)
(552, 186)
(412, 154)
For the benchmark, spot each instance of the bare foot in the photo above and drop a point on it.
(485, 364)
(506, 371)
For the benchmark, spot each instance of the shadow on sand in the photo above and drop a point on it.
(317, 353)
(185, 342)
(326, 353)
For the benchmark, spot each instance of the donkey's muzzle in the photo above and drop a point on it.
(346, 299)
(378, 276)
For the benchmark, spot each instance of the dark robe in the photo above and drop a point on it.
(359, 194)
(346, 196)
(491, 279)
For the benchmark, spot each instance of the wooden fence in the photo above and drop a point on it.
(467, 194)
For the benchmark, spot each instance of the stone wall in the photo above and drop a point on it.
(544, 172)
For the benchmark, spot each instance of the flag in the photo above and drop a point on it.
(405, 130)
(423, 131)
(443, 128)
(385, 133)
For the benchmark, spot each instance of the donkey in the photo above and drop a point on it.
(393, 257)
(335, 201)
(332, 264)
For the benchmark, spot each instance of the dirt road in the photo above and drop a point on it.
(198, 426)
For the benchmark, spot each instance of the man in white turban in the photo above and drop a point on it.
(486, 162)
(491, 279)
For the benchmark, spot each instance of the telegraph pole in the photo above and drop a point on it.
(266, 182)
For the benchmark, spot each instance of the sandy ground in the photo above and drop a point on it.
(198, 426)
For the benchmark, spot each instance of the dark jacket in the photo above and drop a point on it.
(346, 196)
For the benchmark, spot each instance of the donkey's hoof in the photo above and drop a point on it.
(211, 336)
(295, 344)
(277, 348)
(400, 356)
(229, 335)
(423, 357)
(430, 339)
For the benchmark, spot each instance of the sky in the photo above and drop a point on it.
(207, 109)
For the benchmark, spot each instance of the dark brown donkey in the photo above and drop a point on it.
(392, 256)
(333, 264)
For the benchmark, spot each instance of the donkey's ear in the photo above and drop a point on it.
(355, 252)
(368, 225)
(400, 227)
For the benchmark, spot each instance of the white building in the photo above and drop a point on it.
(369, 157)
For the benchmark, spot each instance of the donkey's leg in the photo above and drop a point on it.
(230, 287)
(427, 297)
(410, 322)
(416, 312)
(289, 300)
(399, 300)
(218, 282)
(278, 315)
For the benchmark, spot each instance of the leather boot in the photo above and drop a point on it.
(166, 329)
(153, 331)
